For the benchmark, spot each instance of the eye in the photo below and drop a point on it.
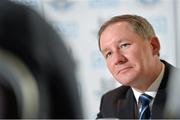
(108, 54)
(125, 45)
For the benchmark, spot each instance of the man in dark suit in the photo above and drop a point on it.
(131, 51)
(37, 73)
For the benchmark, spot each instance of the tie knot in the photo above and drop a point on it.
(145, 99)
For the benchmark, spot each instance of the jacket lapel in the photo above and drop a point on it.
(127, 108)
(159, 104)
(161, 96)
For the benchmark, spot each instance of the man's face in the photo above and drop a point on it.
(128, 56)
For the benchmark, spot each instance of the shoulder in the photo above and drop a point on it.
(171, 74)
(119, 92)
(169, 68)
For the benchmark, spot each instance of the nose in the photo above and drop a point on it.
(119, 58)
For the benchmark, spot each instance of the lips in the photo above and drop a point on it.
(123, 70)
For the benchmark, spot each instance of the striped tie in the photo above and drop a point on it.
(145, 109)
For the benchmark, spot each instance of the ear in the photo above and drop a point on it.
(155, 44)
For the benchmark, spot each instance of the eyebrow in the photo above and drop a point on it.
(119, 41)
(104, 50)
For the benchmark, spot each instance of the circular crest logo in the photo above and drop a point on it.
(149, 2)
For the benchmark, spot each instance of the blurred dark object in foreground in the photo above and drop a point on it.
(37, 74)
(172, 110)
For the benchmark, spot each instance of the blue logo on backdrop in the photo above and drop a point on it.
(104, 3)
(61, 4)
(149, 2)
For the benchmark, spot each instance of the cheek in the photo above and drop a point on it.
(140, 60)
(136, 59)
(136, 54)
(133, 56)
(110, 66)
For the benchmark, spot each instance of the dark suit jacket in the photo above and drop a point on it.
(121, 103)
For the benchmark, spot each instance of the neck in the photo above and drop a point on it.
(143, 85)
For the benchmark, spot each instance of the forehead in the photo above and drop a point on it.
(119, 29)
(116, 28)
(117, 32)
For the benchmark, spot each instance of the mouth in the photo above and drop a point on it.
(123, 70)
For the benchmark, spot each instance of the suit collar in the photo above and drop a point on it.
(127, 108)
(161, 96)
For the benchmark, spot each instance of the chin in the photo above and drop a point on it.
(126, 82)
